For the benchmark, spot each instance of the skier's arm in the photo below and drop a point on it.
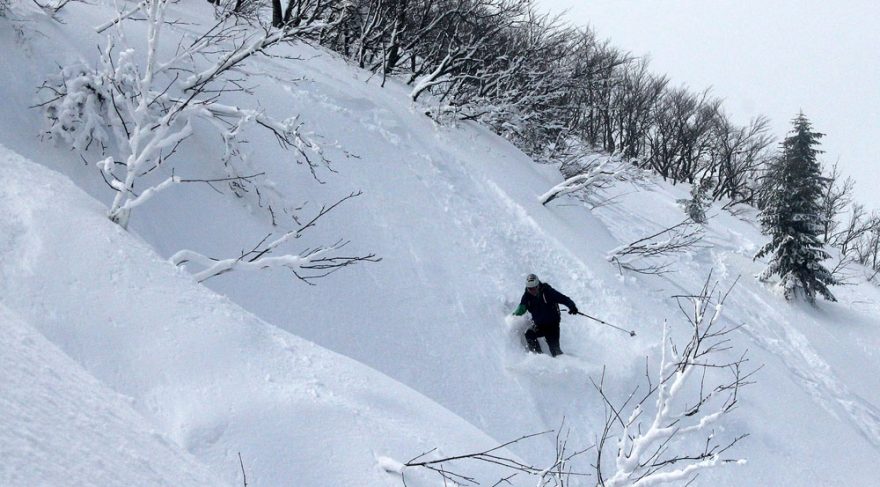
(521, 309)
(562, 299)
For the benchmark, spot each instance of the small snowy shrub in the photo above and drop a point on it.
(696, 206)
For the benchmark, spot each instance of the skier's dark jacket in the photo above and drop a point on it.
(544, 306)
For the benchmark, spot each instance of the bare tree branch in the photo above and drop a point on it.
(642, 255)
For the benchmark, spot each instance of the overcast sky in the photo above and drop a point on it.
(770, 57)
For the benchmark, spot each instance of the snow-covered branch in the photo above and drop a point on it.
(308, 265)
(696, 387)
(249, 47)
(597, 172)
(122, 16)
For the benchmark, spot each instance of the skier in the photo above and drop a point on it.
(542, 301)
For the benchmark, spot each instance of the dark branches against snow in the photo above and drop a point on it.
(557, 474)
(645, 254)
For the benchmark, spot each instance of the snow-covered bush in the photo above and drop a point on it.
(140, 106)
(672, 432)
(695, 206)
(76, 115)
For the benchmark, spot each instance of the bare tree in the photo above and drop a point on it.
(835, 199)
(679, 137)
(139, 111)
(521, 92)
(634, 102)
(851, 240)
(737, 157)
(666, 436)
(866, 246)
(595, 67)
(459, 44)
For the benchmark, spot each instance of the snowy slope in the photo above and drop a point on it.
(453, 213)
(61, 426)
(195, 372)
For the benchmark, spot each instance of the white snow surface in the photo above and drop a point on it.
(120, 369)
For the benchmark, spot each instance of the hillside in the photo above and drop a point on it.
(313, 384)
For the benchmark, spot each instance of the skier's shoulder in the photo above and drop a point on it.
(550, 291)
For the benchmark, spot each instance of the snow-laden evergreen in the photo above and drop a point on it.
(792, 216)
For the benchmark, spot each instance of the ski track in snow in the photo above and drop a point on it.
(522, 230)
(774, 332)
(764, 324)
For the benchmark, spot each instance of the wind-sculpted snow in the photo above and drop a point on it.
(61, 426)
(213, 380)
(331, 384)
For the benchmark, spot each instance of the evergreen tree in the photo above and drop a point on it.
(792, 216)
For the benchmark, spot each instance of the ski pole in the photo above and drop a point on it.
(631, 332)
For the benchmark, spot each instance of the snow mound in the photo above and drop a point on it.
(61, 426)
(140, 347)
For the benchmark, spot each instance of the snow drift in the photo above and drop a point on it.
(313, 385)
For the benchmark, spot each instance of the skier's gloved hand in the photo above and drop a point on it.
(573, 310)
